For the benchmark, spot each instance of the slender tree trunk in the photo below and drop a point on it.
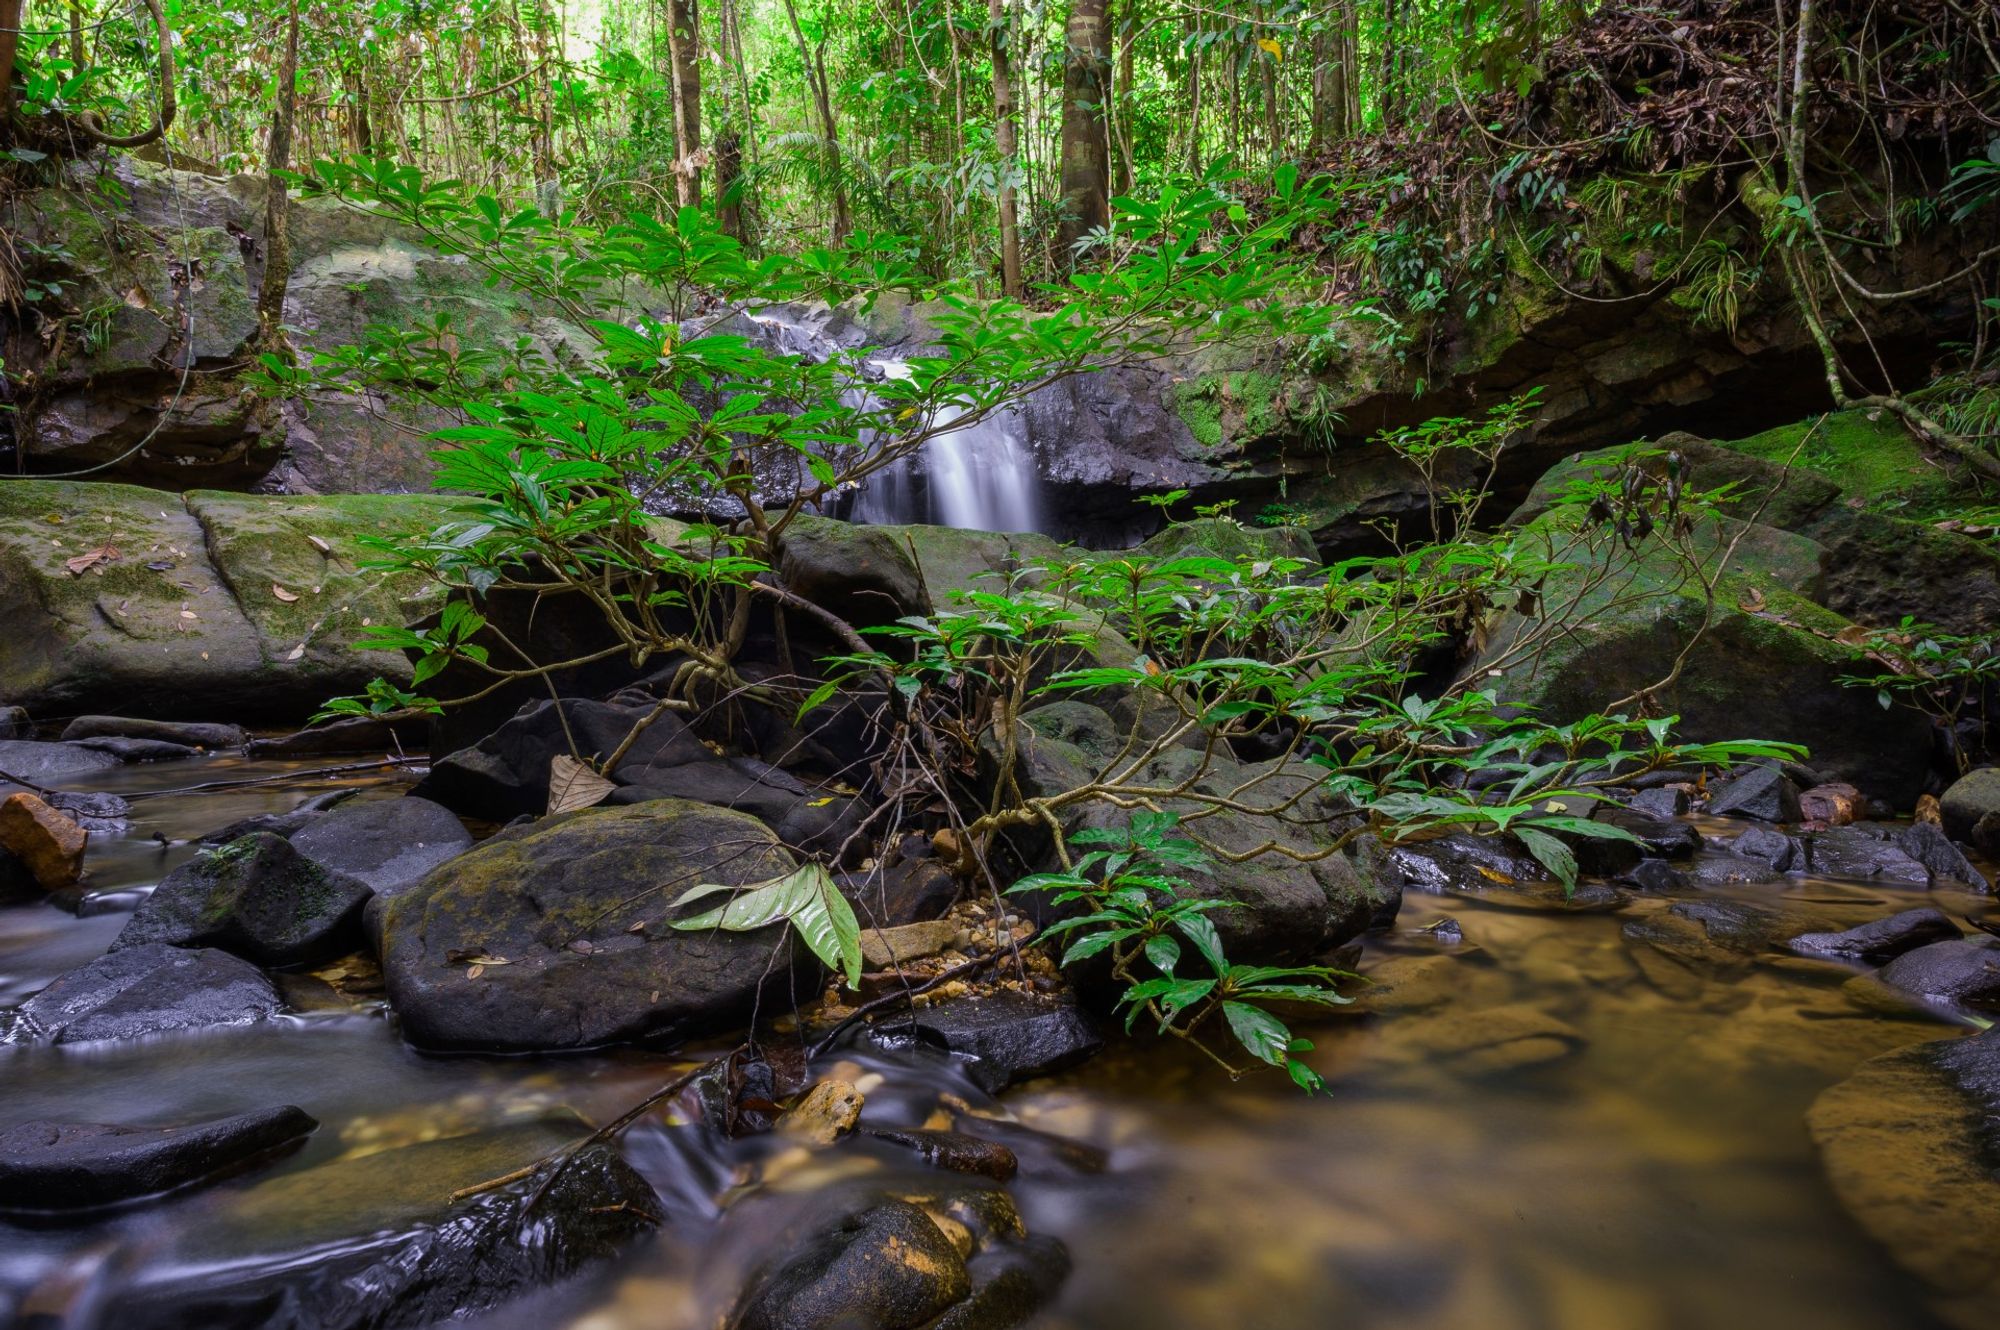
(729, 182)
(1123, 101)
(1086, 167)
(1006, 143)
(684, 53)
(1273, 131)
(843, 220)
(10, 47)
(277, 202)
(1194, 28)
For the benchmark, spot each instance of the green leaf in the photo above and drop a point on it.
(807, 898)
(1551, 854)
(1262, 1034)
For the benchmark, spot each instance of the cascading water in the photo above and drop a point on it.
(978, 475)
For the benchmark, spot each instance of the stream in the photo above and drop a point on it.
(1543, 1124)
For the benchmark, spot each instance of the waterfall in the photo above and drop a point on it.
(979, 475)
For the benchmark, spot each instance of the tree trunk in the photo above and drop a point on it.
(277, 202)
(1006, 142)
(684, 52)
(729, 182)
(843, 220)
(10, 46)
(1086, 166)
(1123, 101)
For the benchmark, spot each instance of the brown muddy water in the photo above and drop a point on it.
(1546, 1124)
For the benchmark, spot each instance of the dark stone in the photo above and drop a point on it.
(1764, 793)
(1662, 837)
(16, 878)
(810, 821)
(572, 913)
(146, 990)
(1926, 843)
(92, 812)
(1775, 850)
(376, 1242)
(186, 734)
(885, 1267)
(77, 1165)
(506, 774)
(952, 1150)
(1010, 1283)
(35, 763)
(1655, 875)
(135, 750)
(279, 824)
(1002, 1039)
(1861, 852)
(258, 897)
(15, 724)
(1971, 798)
(1961, 974)
(911, 889)
(860, 573)
(389, 844)
(1462, 861)
(1740, 926)
(1663, 802)
(1881, 939)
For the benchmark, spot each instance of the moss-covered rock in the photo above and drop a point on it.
(572, 915)
(1218, 537)
(128, 600)
(256, 897)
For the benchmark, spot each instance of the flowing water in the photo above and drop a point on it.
(1542, 1125)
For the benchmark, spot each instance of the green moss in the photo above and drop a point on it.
(1231, 407)
(1867, 453)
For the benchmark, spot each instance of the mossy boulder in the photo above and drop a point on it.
(256, 897)
(558, 934)
(1221, 538)
(952, 559)
(1765, 662)
(129, 600)
(1285, 907)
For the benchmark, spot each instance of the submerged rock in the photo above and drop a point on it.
(146, 990)
(78, 1165)
(953, 1151)
(382, 1241)
(258, 897)
(135, 750)
(1001, 1039)
(33, 762)
(1881, 939)
(556, 935)
(1908, 1144)
(1862, 852)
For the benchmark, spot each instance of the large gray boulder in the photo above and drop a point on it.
(556, 935)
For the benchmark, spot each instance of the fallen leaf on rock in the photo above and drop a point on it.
(296, 652)
(189, 614)
(287, 596)
(472, 956)
(1753, 599)
(83, 563)
(573, 785)
(320, 545)
(474, 971)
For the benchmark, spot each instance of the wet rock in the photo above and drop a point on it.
(1862, 852)
(861, 573)
(887, 1267)
(555, 934)
(506, 774)
(1662, 837)
(381, 1241)
(1655, 875)
(1958, 974)
(1662, 802)
(1908, 1145)
(187, 734)
(94, 812)
(1928, 845)
(1775, 850)
(1728, 870)
(1972, 798)
(32, 762)
(78, 1165)
(15, 723)
(389, 844)
(136, 750)
(952, 1150)
(884, 948)
(1881, 939)
(1283, 909)
(1764, 793)
(828, 1112)
(809, 820)
(286, 824)
(1002, 1039)
(15, 878)
(1835, 804)
(349, 734)
(258, 897)
(1464, 862)
(146, 990)
(45, 842)
(912, 889)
